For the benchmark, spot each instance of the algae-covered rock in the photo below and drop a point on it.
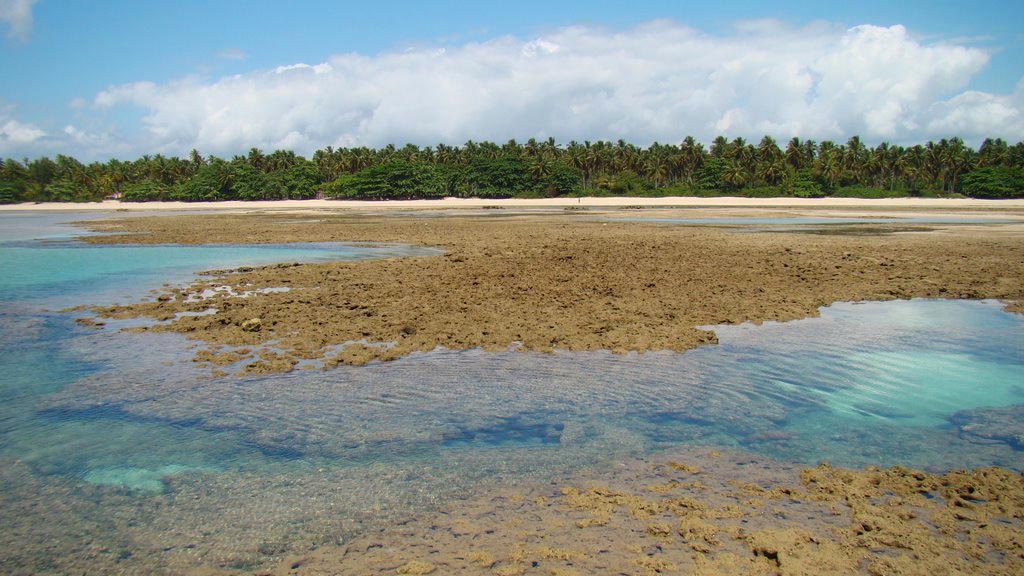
(252, 325)
(992, 424)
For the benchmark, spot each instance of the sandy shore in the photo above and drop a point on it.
(808, 203)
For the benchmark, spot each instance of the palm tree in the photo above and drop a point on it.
(772, 171)
(257, 159)
(993, 152)
(956, 159)
(735, 174)
(539, 168)
(720, 147)
(657, 168)
(794, 154)
(690, 159)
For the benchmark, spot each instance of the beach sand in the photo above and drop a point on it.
(597, 202)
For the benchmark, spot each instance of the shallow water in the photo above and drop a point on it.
(139, 446)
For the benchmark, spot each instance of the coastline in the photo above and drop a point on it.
(590, 201)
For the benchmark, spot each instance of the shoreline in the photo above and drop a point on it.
(590, 201)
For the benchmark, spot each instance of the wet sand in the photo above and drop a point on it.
(547, 281)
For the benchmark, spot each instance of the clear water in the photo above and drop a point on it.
(127, 415)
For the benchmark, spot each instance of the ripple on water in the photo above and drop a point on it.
(859, 370)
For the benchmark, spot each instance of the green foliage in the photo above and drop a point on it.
(210, 183)
(993, 182)
(342, 187)
(625, 183)
(866, 192)
(393, 179)
(298, 182)
(63, 190)
(761, 192)
(538, 169)
(801, 184)
(246, 182)
(709, 176)
(8, 193)
(497, 177)
(146, 191)
(562, 180)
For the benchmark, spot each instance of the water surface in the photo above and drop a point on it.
(120, 436)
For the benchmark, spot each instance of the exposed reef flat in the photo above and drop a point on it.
(545, 281)
(704, 512)
(687, 511)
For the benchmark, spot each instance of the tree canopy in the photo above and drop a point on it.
(801, 168)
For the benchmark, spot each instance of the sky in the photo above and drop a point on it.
(97, 79)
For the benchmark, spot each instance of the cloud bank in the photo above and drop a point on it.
(656, 82)
(17, 15)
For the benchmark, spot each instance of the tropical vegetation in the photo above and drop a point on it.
(801, 168)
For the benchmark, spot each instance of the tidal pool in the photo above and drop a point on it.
(117, 451)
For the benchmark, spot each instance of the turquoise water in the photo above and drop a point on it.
(72, 273)
(123, 426)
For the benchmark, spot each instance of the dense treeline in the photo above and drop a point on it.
(728, 167)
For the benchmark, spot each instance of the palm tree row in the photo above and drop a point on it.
(802, 167)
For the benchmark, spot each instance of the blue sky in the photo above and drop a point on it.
(73, 73)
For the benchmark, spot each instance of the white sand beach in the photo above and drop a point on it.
(595, 202)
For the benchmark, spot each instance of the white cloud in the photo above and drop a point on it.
(16, 136)
(19, 133)
(979, 112)
(17, 15)
(660, 81)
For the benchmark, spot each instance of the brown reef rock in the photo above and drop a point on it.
(548, 282)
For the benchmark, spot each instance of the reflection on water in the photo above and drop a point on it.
(116, 435)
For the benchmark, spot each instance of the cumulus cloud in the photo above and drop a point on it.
(16, 136)
(18, 133)
(659, 81)
(17, 15)
(980, 112)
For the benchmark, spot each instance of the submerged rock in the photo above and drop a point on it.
(992, 424)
